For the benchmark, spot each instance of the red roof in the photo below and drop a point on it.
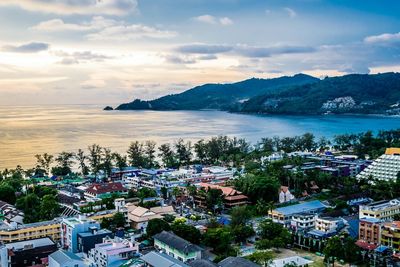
(365, 245)
(105, 188)
(227, 191)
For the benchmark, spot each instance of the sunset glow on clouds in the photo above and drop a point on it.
(111, 51)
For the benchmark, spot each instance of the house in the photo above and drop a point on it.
(284, 215)
(202, 263)
(138, 216)
(87, 240)
(113, 252)
(26, 253)
(294, 260)
(157, 259)
(104, 190)
(63, 258)
(236, 262)
(177, 247)
(285, 195)
(232, 197)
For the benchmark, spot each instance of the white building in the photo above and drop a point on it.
(63, 258)
(328, 225)
(113, 252)
(303, 221)
(296, 260)
(285, 195)
(386, 167)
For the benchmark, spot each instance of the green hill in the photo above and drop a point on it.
(219, 96)
(355, 93)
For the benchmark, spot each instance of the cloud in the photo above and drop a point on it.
(261, 52)
(100, 28)
(80, 57)
(243, 50)
(33, 47)
(72, 7)
(206, 19)
(174, 59)
(290, 12)
(209, 19)
(385, 38)
(203, 49)
(130, 32)
(58, 25)
(225, 21)
(93, 83)
(208, 57)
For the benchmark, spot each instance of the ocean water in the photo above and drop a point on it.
(29, 130)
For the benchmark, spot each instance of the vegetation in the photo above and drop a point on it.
(371, 93)
(217, 96)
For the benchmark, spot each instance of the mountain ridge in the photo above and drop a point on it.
(217, 96)
(299, 94)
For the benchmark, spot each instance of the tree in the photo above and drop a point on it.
(188, 232)
(150, 152)
(30, 205)
(136, 154)
(107, 163)
(145, 192)
(120, 161)
(44, 161)
(242, 232)
(156, 226)
(200, 148)
(167, 156)
(49, 207)
(264, 258)
(240, 216)
(81, 158)
(272, 235)
(214, 198)
(7, 193)
(183, 152)
(220, 240)
(64, 163)
(333, 250)
(118, 220)
(164, 192)
(95, 158)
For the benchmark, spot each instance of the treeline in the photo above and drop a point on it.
(221, 150)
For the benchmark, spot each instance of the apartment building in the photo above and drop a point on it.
(386, 167)
(328, 225)
(383, 210)
(113, 252)
(370, 230)
(303, 221)
(71, 227)
(29, 231)
(390, 235)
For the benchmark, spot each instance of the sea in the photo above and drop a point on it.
(29, 130)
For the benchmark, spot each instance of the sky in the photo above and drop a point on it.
(113, 51)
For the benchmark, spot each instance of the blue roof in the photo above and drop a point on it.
(381, 249)
(62, 257)
(353, 227)
(302, 207)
